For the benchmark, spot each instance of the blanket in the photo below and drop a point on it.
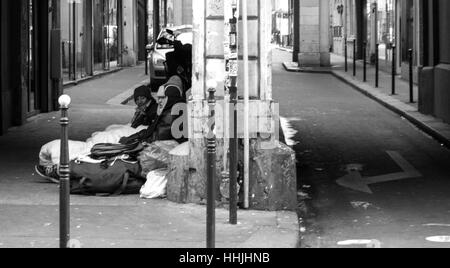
(50, 152)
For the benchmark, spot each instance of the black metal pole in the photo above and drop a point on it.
(166, 22)
(365, 60)
(74, 37)
(156, 20)
(354, 57)
(64, 172)
(411, 77)
(146, 62)
(394, 68)
(211, 184)
(346, 53)
(377, 65)
(234, 146)
(146, 37)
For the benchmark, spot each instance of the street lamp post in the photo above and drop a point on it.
(64, 172)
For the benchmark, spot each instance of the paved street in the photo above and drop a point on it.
(337, 126)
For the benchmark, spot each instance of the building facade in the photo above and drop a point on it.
(417, 25)
(46, 45)
(29, 77)
(282, 23)
(311, 32)
(434, 85)
(100, 35)
(383, 22)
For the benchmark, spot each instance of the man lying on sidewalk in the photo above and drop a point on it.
(145, 115)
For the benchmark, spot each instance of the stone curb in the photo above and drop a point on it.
(89, 78)
(127, 95)
(292, 67)
(428, 124)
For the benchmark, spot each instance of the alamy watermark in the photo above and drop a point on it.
(197, 122)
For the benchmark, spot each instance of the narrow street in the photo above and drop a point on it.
(344, 136)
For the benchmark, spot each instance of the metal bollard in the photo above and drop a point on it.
(211, 162)
(146, 62)
(377, 65)
(354, 57)
(394, 67)
(365, 61)
(411, 77)
(64, 172)
(346, 53)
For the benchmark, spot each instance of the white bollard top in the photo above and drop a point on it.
(210, 84)
(64, 101)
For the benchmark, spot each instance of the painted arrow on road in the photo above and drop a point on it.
(356, 182)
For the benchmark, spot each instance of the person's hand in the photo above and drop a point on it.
(140, 110)
(124, 140)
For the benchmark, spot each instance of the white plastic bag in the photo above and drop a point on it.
(50, 152)
(156, 185)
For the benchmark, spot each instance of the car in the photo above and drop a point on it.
(157, 52)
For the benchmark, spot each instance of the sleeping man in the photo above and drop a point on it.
(146, 113)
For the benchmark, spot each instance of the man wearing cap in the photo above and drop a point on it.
(146, 107)
(161, 128)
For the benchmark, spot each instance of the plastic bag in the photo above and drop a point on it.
(50, 152)
(156, 185)
(113, 134)
(156, 156)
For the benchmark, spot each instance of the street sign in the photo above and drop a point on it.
(355, 181)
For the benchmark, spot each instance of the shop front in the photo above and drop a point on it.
(26, 85)
(90, 35)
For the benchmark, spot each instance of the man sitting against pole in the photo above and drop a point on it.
(146, 109)
(168, 95)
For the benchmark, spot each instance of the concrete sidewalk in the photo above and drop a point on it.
(29, 210)
(399, 103)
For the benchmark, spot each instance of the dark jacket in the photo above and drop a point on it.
(147, 118)
(161, 128)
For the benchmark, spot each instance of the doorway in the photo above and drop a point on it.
(32, 94)
(73, 36)
(106, 34)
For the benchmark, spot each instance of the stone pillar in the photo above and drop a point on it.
(296, 8)
(267, 188)
(182, 12)
(129, 33)
(314, 33)
(373, 23)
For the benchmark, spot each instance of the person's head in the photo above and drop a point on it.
(162, 98)
(142, 96)
(168, 96)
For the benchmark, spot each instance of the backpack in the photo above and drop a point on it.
(109, 150)
(109, 178)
